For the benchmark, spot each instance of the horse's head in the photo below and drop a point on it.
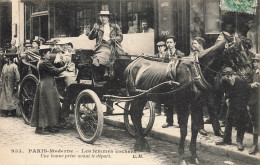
(238, 56)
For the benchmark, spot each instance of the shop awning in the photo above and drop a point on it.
(242, 6)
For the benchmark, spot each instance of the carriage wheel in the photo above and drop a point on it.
(88, 116)
(147, 119)
(26, 94)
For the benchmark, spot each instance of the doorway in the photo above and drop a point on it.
(40, 26)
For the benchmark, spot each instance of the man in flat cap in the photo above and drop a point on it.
(253, 103)
(161, 47)
(237, 93)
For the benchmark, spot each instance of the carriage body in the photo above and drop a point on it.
(82, 94)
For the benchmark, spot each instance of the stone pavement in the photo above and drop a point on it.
(172, 134)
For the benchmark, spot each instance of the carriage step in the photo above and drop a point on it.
(114, 114)
(99, 83)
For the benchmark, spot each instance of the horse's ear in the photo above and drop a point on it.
(226, 36)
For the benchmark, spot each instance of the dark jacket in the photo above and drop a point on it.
(46, 106)
(239, 92)
(115, 32)
(177, 54)
(254, 97)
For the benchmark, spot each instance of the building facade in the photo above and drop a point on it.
(5, 22)
(185, 19)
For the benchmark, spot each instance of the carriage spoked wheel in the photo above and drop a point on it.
(147, 119)
(88, 115)
(26, 95)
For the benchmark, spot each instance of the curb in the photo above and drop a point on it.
(205, 147)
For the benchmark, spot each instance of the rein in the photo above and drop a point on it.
(222, 73)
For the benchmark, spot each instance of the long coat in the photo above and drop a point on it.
(10, 78)
(46, 106)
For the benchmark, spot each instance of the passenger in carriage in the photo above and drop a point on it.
(170, 55)
(69, 74)
(46, 106)
(208, 99)
(65, 58)
(108, 38)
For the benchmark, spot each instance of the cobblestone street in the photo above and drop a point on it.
(20, 145)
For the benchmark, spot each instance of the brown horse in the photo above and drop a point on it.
(194, 79)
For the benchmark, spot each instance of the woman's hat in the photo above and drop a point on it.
(104, 13)
(44, 49)
(27, 43)
(11, 55)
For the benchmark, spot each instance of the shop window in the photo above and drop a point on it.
(83, 18)
(212, 17)
(138, 11)
(28, 11)
(62, 21)
(40, 6)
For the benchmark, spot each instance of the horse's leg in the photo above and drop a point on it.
(183, 115)
(136, 113)
(194, 130)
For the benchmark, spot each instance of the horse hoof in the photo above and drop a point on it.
(137, 147)
(142, 146)
(194, 160)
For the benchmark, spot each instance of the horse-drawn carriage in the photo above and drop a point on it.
(146, 79)
(87, 97)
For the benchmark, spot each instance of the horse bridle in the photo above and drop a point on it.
(239, 66)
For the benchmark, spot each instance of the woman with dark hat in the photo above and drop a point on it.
(9, 82)
(46, 106)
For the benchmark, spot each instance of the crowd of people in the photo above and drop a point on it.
(47, 114)
(239, 99)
